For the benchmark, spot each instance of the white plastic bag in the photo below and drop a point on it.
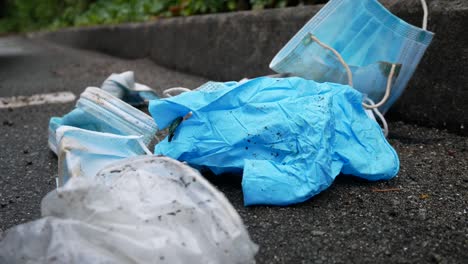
(144, 209)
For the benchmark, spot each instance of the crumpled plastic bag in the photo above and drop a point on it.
(290, 136)
(143, 209)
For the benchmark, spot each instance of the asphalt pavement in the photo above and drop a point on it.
(418, 217)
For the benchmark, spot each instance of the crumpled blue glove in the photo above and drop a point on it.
(290, 136)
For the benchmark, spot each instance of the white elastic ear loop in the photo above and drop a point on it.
(372, 105)
(177, 90)
(350, 75)
(388, 89)
(338, 55)
(380, 116)
(426, 14)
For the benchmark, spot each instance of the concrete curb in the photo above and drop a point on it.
(236, 45)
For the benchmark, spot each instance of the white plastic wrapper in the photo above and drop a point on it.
(144, 209)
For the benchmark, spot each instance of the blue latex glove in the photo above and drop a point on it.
(291, 137)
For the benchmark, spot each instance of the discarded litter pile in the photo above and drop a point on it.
(117, 202)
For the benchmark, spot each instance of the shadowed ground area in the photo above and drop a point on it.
(418, 217)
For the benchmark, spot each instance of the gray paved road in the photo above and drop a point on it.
(424, 221)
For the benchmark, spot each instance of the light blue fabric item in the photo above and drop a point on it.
(123, 86)
(82, 153)
(367, 36)
(97, 110)
(291, 136)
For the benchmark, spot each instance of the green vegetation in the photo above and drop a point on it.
(27, 15)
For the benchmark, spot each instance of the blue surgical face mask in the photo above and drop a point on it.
(97, 110)
(369, 39)
(82, 153)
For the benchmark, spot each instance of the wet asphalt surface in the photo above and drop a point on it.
(418, 217)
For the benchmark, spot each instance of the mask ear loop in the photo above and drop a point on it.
(350, 75)
(380, 116)
(372, 105)
(338, 56)
(178, 90)
(388, 89)
(425, 9)
(426, 14)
